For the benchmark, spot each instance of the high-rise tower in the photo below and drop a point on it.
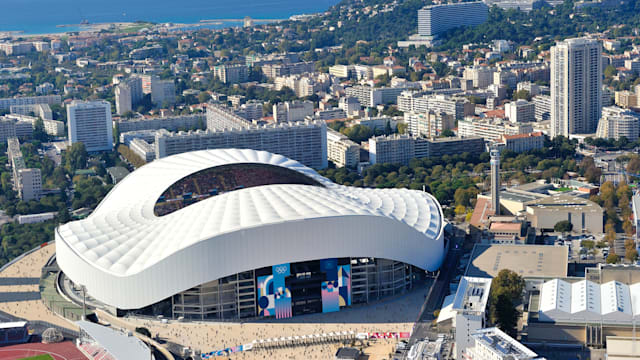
(495, 180)
(576, 86)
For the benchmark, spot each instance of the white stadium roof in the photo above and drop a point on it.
(129, 257)
(585, 301)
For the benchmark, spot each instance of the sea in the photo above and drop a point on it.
(45, 16)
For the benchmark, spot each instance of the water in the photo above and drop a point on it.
(42, 16)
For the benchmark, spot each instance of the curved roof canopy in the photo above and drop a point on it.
(239, 230)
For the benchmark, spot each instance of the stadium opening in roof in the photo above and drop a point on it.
(228, 233)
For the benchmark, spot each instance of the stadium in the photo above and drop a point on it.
(228, 234)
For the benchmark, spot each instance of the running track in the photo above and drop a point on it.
(62, 351)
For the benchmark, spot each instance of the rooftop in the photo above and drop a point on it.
(472, 294)
(526, 260)
(564, 202)
(502, 344)
(121, 345)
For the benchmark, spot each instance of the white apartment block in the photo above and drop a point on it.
(89, 122)
(291, 111)
(617, 122)
(482, 76)
(491, 129)
(394, 149)
(494, 344)
(7, 129)
(520, 111)
(171, 123)
(41, 110)
(470, 306)
(251, 110)
(53, 127)
(330, 114)
(123, 99)
(350, 105)
(457, 107)
(372, 97)
(428, 124)
(143, 149)
(542, 107)
(532, 88)
(7, 103)
(274, 70)
(304, 85)
(435, 19)
(342, 151)
(163, 91)
(523, 142)
(576, 85)
(231, 74)
(305, 142)
(341, 71)
(220, 117)
(30, 184)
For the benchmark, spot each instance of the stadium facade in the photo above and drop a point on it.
(228, 233)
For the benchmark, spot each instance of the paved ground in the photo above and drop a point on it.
(62, 351)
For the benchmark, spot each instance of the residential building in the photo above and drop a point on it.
(350, 105)
(27, 182)
(7, 103)
(123, 99)
(428, 124)
(342, 151)
(491, 129)
(53, 127)
(290, 111)
(305, 142)
(369, 96)
(274, 70)
(402, 148)
(231, 74)
(341, 71)
(520, 111)
(42, 111)
(163, 92)
(576, 86)
(89, 122)
(171, 123)
(482, 76)
(458, 107)
(523, 142)
(494, 344)
(330, 114)
(251, 110)
(435, 19)
(143, 149)
(617, 122)
(469, 306)
(220, 117)
(626, 99)
(304, 85)
(542, 107)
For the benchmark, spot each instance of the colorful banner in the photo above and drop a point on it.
(266, 297)
(227, 351)
(344, 285)
(282, 294)
(383, 335)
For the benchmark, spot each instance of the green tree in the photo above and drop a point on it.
(563, 226)
(76, 156)
(612, 258)
(610, 71)
(506, 291)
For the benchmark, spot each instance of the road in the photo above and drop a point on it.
(422, 328)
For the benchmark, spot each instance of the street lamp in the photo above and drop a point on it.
(84, 302)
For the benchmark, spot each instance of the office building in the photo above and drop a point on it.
(171, 123)
(520, 111)
(231, 74)
(290, 111)
(303, 141)
(220, 117)
(576, 86)
(342, 151)
(219, 203)
(617, 123)
(495, 344)
(436, 19)
(89, 122)
(7, 103)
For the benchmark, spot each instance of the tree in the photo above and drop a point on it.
(447, 133)
(610, 71)
(76, 156)
(506, 291)
(460, 210)
(144, 331)
(631, 254)
(563, 226)
(612, 258)
(522, 94)
(203, 97)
